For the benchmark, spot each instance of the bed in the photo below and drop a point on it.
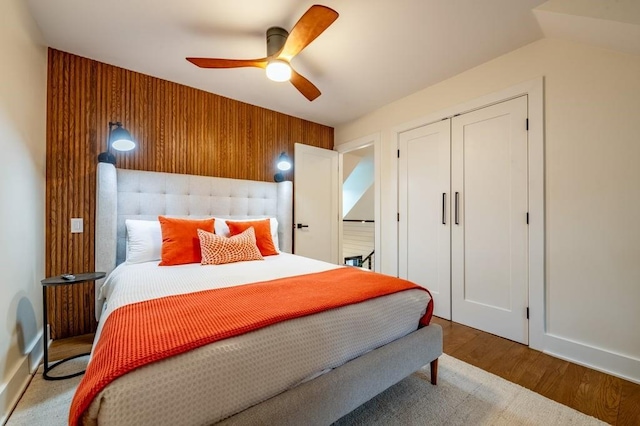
(309, 370)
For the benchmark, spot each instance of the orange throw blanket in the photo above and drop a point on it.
(141, 333)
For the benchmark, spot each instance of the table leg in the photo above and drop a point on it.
(45, 337)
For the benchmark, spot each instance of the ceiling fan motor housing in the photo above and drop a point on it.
(276, 37)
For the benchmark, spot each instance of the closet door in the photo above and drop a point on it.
(489, 231)
(424, 213)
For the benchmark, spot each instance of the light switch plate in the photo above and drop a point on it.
(77, 225)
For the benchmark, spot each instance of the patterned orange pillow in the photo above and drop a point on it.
(180, 243)
(217, 249)
(263, 233)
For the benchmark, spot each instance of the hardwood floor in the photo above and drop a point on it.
(612, 400)
(70, 346)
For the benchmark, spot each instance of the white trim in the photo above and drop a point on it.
(535, 103)
(481, 102)
(343, 148)
(11, 391)
(537, 308)
(602, 360)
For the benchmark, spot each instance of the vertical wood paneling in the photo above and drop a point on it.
(178, 130)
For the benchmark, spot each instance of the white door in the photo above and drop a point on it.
(489, 230)
(424, 209)
(315, 203)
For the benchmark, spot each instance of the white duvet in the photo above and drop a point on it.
(213, 382)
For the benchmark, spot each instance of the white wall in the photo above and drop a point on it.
(23, 88)
(592, 179)
(358, 240)
(349, 162)
(364, 208)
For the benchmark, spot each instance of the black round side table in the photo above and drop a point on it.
(53, 282)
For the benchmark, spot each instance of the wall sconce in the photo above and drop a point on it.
(119, 139)
(284, 163)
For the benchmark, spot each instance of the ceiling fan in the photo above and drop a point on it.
(282, 46)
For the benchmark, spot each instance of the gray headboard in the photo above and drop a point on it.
(133, 194)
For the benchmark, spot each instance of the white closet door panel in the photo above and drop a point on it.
(489, 259)
(424, 240)
(487, 201)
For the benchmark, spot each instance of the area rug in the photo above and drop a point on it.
(465, 395)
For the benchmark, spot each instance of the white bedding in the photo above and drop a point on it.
(216, 381)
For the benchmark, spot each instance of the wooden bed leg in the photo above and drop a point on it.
(434, 372)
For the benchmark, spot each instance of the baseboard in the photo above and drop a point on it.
(12, 390)
(618, 365)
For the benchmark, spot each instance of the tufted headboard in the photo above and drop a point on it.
(132, 194)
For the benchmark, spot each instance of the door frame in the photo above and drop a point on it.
(363, 142)
(534, 89)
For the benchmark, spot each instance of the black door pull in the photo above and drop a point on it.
(444, 208)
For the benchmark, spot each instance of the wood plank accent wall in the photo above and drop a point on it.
(178, 130)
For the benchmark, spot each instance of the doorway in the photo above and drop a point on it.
(359, 210)
(358, 216)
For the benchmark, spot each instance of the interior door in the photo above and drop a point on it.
(424, 208)
(315, 203)
(489, 231)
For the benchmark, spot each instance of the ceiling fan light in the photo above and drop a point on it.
(278, 70)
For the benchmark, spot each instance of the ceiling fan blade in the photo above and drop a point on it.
(311, 25)
(228, 63)
(304, 86)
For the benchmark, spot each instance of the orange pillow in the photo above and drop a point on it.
(263, 233)
(217, 249)
(180, 242)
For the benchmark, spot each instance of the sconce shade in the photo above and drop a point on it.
(284, 163)
(119, 139)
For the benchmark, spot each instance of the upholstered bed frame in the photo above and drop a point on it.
(129, 194)
(133, 194)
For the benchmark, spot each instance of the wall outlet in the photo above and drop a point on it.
(77, 225)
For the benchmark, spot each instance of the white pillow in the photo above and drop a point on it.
(144, 240)
(221, 228)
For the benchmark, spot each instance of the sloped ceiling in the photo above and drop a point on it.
(376, 52)
(605, 23)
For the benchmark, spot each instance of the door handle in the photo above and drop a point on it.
(300, 226)
(444, 204)
(457, 202)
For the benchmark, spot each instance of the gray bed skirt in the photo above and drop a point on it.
(327, 398)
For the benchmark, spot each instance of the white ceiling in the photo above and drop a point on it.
(376, 52)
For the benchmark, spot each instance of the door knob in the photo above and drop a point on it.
(300, 226)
